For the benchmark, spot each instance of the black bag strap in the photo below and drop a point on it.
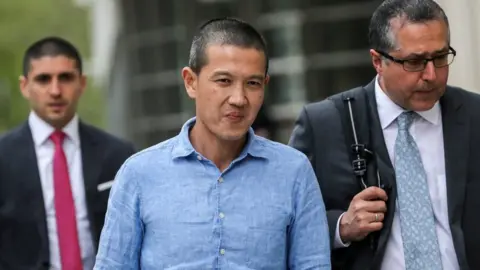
(353, 109)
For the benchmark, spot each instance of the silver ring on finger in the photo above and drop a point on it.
(376, 217)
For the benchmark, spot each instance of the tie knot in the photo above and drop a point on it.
(57, 137)
(405, 120)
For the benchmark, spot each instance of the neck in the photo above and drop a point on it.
(58, 124)
(220, 152)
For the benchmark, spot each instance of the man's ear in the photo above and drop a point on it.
(190, 79)
(377, 61)
(267, 79)
(83, 83)
(23, 82)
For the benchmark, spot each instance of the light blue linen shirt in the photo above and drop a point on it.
(171, 208)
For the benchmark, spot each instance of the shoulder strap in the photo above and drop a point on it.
(354, 107)
(354, 114)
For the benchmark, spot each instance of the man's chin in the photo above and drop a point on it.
(422, 106)
(233, 136)
(57, 119)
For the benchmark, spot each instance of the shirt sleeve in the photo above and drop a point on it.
(122, 234)
(338, 240)
(309, 235)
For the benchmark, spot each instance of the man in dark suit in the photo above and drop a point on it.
(55, 170)
(413, 206)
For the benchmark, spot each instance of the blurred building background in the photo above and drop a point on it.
(317, 48)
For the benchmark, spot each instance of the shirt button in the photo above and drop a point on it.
(222, 251)
(220, 180)
(199, 157)
(221, 215)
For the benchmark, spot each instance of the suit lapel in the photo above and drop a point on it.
(385, 170)
(456, 143)
(32, 184)
(456, 132)
(92, 163)
(378, 141)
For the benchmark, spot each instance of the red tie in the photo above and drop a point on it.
(65, 208)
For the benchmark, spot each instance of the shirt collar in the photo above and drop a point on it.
(183, 147)
(388, 111)
(41, 130)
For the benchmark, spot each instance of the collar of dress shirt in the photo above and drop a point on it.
(388, 111)
(41, 130)
(183, 147)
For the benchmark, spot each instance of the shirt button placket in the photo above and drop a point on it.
(221, 216)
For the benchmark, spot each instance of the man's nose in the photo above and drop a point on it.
(430, 72)
(238, 97)
(54, 88)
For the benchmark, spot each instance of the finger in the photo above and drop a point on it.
(373, 206)
(372, 193)
(366, 217)
(376, 217)
(371, 227)
(358, 206)
(367, 228)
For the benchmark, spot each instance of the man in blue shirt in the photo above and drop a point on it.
(217, 196)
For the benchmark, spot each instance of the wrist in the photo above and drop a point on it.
(343, 229)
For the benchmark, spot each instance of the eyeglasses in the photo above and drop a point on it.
(414, 65)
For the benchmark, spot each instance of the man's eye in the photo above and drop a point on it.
(443, 56)
(42, 79)
(66, 77)
(415, 62)
(224, 81)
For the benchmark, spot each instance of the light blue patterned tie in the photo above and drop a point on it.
(420, 243)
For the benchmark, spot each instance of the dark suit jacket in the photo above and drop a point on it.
(319, 134)
(23, 227)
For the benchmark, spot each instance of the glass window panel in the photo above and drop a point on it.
(156, 101)
(157, 57)
(155, 136)
(280, 86)
(165, 13)
(145, 14)
(282, 41)
(128, 15)
(208, 11)
(322, 83)
(318, 3)
(267, 6)
(335, 36)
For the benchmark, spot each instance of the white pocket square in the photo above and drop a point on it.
(104, 186)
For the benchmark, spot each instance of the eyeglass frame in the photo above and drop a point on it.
(425, 60)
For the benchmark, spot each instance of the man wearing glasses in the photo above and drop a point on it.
(396, 159)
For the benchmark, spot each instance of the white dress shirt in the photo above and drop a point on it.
(44, 149)
(427, 132)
